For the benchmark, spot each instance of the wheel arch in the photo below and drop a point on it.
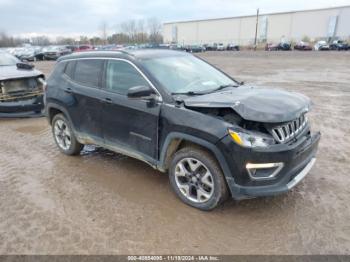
(53, 109)
(175, 141)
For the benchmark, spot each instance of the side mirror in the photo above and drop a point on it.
(142, 92)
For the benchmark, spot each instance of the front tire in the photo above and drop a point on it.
(64, 136)
(197, 179)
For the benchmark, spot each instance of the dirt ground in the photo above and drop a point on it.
(105, 203)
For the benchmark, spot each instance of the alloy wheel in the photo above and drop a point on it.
(62, 134)
(194, 180)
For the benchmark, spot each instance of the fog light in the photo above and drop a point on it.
(263, 171)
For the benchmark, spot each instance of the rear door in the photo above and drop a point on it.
(85, 88)
(130, 124)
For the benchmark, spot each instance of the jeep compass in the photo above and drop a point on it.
(214, 136)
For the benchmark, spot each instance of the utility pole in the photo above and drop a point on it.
(256, 28)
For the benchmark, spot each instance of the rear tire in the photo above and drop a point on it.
(64, 136)
(197, 179)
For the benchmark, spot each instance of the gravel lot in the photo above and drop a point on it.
(106, 203)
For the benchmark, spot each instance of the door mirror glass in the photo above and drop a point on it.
(144, 92)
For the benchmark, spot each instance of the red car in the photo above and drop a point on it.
(83, 48)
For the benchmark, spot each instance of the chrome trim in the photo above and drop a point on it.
(287, 131)
(302, 174)
(250, 166)
(119, 59)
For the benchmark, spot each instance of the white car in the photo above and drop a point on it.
(220, 47)
(321, 45)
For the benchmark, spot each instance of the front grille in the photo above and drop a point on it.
(288, 131)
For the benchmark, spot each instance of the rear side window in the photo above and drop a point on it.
(69, 70)
(89, 72)
(121, 76)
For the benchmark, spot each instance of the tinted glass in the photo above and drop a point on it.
(88, 72)
(121, 76)
(69, 70)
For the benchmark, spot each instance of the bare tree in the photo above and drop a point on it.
(60, 40)
(9, 41)
(129, 28)
(104, 33)
(138, 31)
(84, 40)
(155, 30)
(119, 38)
(141, 31)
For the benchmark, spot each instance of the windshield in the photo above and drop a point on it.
(7, 59)
(184, 74)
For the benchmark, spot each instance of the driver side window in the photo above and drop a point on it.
(120, 76)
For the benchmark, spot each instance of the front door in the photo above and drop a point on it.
(131, 124)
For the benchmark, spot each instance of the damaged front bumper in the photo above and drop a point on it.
(285, 166)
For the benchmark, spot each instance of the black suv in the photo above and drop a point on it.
(214, 136)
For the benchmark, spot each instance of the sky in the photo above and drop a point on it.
(85, 17)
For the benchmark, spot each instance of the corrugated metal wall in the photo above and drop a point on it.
(241, 30)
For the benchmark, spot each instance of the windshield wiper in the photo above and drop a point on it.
(189, 93)
(223, 87)
(218, 89)
(193, 93)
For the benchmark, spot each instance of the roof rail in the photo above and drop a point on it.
(124, 52)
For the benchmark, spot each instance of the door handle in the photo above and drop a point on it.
(68, 90)
(108, 100)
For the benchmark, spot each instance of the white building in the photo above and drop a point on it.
(315, 24)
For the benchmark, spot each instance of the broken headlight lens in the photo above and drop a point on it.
(251, 139)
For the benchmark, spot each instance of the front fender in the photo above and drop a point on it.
(211, 147)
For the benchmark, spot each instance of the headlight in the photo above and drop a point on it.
(251, 139)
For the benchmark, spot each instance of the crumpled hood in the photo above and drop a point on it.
(255, 104)
(12, 72)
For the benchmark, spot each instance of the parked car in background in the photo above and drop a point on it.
(54, 52)
(21, 88)
(108, 47)
(213, 136)
(39, 53)
(84, 48)
(30, 54)
(339, 45)
(25, 54)
(321, 46)
(72, 48)
(17, 52)
(194, 48)
(303, 46)
(210, 47)
(176, 47)
(232, 47)
(282, 46)
(220, 47)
